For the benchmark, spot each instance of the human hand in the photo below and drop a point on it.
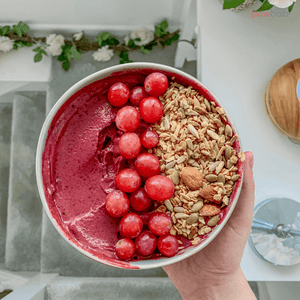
(218, 264)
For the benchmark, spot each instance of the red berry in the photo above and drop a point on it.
(156, 84)
(130, 145)
(139, 200)
(160, 223)
(147, 165)
(149, 139)
(128, 119)
(118, 94)
(131, 226)
(137, 94)
(117, 204)
(151, 110)
(128, 180)
(159, 187)
(125, 248)
(145, 243)
(167, 245)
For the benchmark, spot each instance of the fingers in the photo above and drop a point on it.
(244, 209)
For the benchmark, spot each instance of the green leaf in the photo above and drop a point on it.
(85, 40)
(265, 6)
(17, 30)
(44, 52)
(38, 57)
(138, 39)
(164, 25)
(66, 65)
(74, 53)
(4, 30)
(175, 37)
(113, 41)
(124, 58)
(232, 3)
(144, 50)
(291, 7)
(101, 38)
(15, 46)
(21, 28)
(24, 27)
(37, 49)
(131, 44)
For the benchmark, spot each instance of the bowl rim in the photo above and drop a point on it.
(143, 264)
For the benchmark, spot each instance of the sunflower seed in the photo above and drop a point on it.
(166, 124)
(193, 131)
(197, 206)
(207, 104)
(181, 216)
(211, 177)
(235, 177)
(221, 178)
(228, 130)
(175, 177)
(213, 221)
(220, 167)
(179, 209)
(213, 135)
(192, 218)
(170, 165)
(213, 166)
(190, 144)
(220, 152)
(181, 159)
(196, 102)
(169, 205)
(227, 152)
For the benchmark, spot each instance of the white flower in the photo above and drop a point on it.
(54, 43)
(146, 35)
(126, 39)
(6, 44)
(103, 54)
(78, 36)
(282, 3)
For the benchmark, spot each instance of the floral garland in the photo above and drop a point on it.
(266, 4)
(104, 46)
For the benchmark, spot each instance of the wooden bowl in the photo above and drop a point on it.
(282, 102)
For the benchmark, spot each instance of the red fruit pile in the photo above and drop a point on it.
(133, 208)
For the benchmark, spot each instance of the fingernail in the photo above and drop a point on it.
(249, 158)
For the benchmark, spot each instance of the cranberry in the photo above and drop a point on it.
(128, 180)
(145, 243)
(128, 119)
(151, 110)
(167, 245)
(117, 204)
(118, 94)
(130, 145)
(139, 200)
(156, 84)
(125, 248)
(131, 226)
(159, 187)
(137, 94)
(160, 223)
(147, 165)
(149, 139)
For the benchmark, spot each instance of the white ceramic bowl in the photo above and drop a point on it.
(148, 68)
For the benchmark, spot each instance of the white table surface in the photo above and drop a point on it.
(239, 55)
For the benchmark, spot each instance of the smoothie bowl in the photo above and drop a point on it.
(139, 173)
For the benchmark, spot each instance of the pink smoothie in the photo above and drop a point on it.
(81, 161)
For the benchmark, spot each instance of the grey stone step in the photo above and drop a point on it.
(57, 255)
(24, 214)
(63, 288)
(5, 134)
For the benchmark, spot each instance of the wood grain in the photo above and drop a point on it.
(281, 100)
